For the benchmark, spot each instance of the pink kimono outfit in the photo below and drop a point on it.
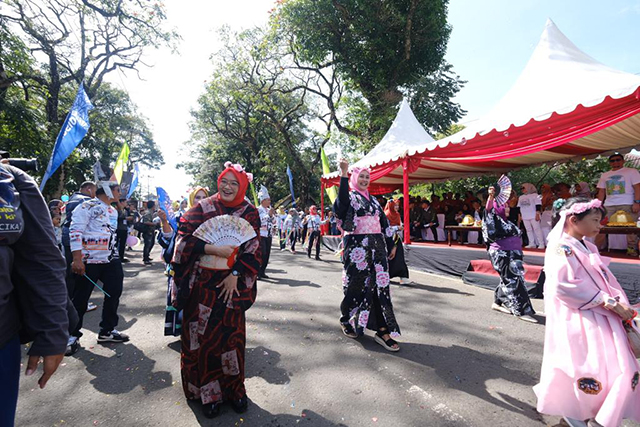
(588, 368)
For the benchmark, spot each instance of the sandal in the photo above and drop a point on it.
(388, 344)
(348, 331)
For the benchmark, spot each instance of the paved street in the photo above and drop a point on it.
(461, 364)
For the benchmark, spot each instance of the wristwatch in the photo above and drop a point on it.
(235, 273)
(610, 303)
(636, 201)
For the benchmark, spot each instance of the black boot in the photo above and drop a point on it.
(240, 405)
(211, 410)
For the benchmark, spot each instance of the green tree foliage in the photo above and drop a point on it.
(49, 47)
(255, 112)
(383, 50)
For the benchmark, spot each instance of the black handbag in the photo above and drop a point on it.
(495, 228)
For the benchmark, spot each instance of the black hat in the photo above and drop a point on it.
(616, 154)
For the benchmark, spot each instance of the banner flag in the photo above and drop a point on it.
(165, 204)
(121, 163)
(255, 196)
(134, 181)
(98, 173)
(74, 128)
(293, 197)
(332, 192)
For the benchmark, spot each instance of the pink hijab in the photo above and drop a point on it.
(353, 180)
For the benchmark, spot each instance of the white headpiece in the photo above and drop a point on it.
(577, 208)
(263, 194)
(106, 186)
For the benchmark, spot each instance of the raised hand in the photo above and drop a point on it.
(344, 167)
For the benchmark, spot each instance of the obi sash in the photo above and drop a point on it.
(369, 224)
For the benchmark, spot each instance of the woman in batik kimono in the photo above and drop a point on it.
(505, 252)
(589, 372)
(214, 301)
(397, 265)
(365, 279)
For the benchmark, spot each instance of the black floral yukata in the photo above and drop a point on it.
(365, 279)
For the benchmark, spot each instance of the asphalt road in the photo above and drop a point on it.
(460, 364)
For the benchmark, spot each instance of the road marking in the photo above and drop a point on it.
(440, 408)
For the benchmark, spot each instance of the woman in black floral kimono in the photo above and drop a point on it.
(365, 279)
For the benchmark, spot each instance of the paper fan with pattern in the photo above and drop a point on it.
(505, 190)
(225, 230)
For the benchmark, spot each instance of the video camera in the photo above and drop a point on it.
(24, 164)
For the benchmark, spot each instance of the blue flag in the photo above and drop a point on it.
(165, 204)
(293, 197)
(75, 127)
(134, 181)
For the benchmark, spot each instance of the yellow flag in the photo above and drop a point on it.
(332, 192)
(121, 163)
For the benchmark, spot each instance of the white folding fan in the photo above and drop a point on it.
(505, 190)
(223, 230)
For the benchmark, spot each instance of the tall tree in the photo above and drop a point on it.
(78, 41)
(384, 50)
(254, 110)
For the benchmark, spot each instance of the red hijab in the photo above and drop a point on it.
(313, 210)
(243, 177)
(392, 215)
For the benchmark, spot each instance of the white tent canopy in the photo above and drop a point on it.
(557, 78)
(406, 135)
(564, 105)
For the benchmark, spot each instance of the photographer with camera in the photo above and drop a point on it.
(33, 296)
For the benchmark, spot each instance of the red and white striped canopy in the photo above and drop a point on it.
(564, 105)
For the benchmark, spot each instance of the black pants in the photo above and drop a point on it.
(70, 277)
(149, 241)
(122, 241)
(293, 238)
(111, 276)
(434, 230)
(304, 234)
(314, 236)
(265, 247)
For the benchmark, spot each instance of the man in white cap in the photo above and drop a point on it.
(266, 225)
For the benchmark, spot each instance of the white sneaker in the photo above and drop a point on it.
(528, 318)
(530, 247)
(405, 281)
(500, 308)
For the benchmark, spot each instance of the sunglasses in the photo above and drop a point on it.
(615, 160)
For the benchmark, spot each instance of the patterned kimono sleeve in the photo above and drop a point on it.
(574, 287)
(387, 230)
(248, 263)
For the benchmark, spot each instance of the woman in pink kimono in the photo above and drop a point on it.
(589, 372)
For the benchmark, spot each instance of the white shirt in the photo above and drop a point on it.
(313, 222)
(618, 186)
(527, 204)
(93, 230)
(266, 221)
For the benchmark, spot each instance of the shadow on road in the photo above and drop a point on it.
(259, 417)
(467, 370)
(296, 283)
(434, 289)
(263, 363)
(127, 368)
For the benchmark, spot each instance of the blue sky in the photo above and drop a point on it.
(492, 40)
